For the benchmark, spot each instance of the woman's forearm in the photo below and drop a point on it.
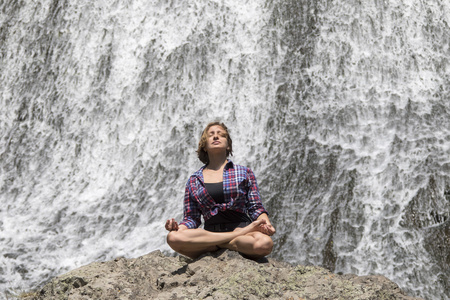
(265, 217)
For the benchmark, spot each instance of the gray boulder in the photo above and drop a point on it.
(220, 275)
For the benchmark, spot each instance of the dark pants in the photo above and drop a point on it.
(225, 227)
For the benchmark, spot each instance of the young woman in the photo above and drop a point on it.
(227, 197)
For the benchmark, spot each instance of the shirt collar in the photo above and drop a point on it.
(199, 173)
(229, 165)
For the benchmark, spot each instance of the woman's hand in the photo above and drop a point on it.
(172, 225)
(268, 229)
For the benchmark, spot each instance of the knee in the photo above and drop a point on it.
(263, 245)
(175, 240)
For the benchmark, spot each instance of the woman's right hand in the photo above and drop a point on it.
(172, 225)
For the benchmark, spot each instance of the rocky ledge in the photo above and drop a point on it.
(220, 275)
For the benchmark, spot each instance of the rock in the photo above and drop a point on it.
(214, 276)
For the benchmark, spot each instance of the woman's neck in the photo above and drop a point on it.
(216, 162)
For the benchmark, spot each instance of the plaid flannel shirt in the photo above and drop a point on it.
(240, 191)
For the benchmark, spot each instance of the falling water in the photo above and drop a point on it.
(340, 107)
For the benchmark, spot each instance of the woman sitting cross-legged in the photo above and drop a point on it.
(227, 196)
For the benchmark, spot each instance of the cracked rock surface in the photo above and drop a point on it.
(220, 275)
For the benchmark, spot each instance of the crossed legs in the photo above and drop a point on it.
(248, 240)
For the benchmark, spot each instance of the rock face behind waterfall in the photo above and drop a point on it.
(221, 275)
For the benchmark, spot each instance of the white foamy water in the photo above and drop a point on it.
(341, 109)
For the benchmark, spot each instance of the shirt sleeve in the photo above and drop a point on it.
(254, 204)
(192, 213)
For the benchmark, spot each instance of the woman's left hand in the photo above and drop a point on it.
(268, 229)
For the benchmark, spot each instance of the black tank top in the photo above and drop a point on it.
(215, 190)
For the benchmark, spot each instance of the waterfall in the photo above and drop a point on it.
(341, 108)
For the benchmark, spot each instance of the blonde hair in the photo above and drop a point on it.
(201, 153)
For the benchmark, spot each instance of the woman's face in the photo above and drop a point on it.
(216, 139)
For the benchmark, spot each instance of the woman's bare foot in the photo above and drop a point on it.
(250, 240)
(253, 226)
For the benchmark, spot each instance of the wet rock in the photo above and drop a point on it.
(220, 275)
